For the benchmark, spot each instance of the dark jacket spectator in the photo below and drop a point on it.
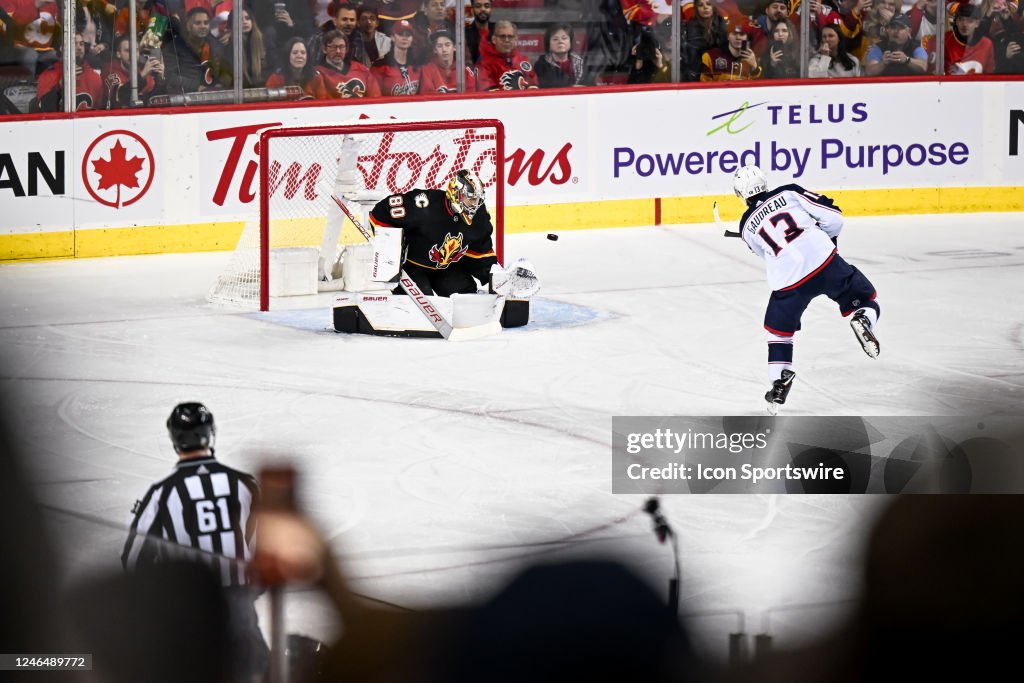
(647, 63)
(258, 55)
(707, 29)
(480, 30)
(559, 66)
(782, 59)
(284, 19)
(193, 61)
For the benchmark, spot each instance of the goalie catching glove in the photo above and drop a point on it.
(518, 281)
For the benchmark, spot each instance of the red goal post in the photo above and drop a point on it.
(300, 169)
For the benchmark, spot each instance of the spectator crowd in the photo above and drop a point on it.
(340, 49)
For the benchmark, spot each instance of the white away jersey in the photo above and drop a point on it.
(791, 229)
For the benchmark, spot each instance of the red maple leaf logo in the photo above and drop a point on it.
(118, 170)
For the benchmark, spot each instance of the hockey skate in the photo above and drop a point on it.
(862, 330)
(776, 396)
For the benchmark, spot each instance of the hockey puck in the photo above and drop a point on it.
(553, 237)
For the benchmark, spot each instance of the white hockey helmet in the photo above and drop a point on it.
(466, 193)
(749, 182)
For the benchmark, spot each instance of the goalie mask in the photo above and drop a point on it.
(190, 427)
(465, 194)
(749, 182)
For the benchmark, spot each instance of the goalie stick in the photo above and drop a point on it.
(718, 220)
(409, 286)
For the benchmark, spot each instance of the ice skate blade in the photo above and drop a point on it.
(866, 337)
(773, 408)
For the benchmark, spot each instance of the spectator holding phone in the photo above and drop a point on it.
(648, 63)
(283, 19)
(898, 54)
(736, 62)
(116, 75)
(783, 56)
(1005, 29)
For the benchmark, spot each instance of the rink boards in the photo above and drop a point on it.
(173, 181)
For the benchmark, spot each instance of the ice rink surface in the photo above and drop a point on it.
(437, 469)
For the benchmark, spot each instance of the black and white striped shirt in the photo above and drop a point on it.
(203, 505)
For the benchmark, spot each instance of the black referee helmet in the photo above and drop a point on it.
(191, 427)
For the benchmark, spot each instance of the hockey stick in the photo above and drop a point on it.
(718, 220)
(409, 286)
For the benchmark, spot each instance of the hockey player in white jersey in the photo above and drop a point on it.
(796, 232)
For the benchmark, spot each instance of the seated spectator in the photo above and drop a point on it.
(376, 44)
(479, 31)
(762, 29)
(256, 54)
(298, 70)
(344, 20)
(116, 76)
(95, 19)
(923, 18)
(439, 75)
(88, 84)
(1006, 31)
(283, 19)
(898, 54)
(502, 66)
(646, 13)
(397, 10)
(967, 51)
(194, 61)
(648, 63)
(43, 35)
(997, 18)
(431, 19)
(875, 24)
(559, 67)
(344, 78)
(15, 16)
(832, 59)
(397, 74)
(736, 62)
(783, 55)
(144, 9)
(707, 29)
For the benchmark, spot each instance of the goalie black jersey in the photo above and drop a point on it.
(434, 236)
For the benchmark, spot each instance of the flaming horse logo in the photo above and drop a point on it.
(448, 252)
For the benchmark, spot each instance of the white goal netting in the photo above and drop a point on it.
(299, 223)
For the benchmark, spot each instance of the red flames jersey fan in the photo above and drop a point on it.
(447, 234)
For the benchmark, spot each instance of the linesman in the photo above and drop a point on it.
(202, 511)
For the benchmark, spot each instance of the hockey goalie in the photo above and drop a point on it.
(435, 246)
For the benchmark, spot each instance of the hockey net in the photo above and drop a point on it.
(301, 168)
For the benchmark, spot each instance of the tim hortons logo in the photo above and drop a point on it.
(389, 166)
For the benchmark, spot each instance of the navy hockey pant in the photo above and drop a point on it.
(837, 280)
